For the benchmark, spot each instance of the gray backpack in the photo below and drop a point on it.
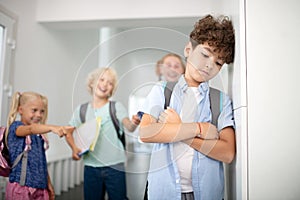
(215, 98)
(113, 115)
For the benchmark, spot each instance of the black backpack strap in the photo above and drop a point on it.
(215, 104)
(215, 99)
(113, 115)
(168, 93)
(82, 111)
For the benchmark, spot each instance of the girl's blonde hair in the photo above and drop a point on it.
(19, 99)
(95, 75)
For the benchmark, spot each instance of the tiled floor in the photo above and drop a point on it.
(75, 193)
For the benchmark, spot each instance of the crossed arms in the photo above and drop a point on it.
(201, 136)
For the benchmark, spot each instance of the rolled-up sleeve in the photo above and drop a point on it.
(226, 117)
(75, 121)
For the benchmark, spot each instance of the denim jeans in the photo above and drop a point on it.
(113, 177)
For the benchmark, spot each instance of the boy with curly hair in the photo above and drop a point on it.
(189, 151)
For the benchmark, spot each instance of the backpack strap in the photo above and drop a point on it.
(82, 111)
(24, 167)
(215, 98)
(112, 112)
(168, 93)
(24, 157)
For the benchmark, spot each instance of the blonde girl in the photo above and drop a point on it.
(29, 131)
(104, 166)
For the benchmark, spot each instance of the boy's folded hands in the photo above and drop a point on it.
(208, 130)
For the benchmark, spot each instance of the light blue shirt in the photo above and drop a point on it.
(207, 173)
(108, 149)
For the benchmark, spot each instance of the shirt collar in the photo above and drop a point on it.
(183, 85)
(203, 87)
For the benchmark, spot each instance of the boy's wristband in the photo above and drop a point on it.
(199, 134)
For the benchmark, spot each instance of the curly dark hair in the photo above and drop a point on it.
(217, 33)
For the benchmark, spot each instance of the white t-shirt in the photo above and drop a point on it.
(184, 153)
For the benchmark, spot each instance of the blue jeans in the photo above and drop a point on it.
(113, 177)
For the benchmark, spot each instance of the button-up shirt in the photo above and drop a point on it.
(207, 173)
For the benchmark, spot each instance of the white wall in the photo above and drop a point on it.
(238, 169)
(47, 61)
(273, 100)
